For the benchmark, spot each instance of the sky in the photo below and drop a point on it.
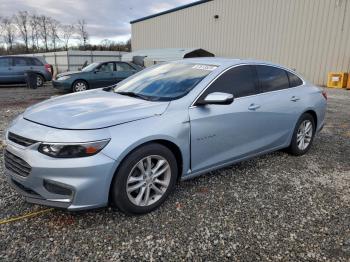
(106, 19)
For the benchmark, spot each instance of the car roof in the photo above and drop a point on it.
(110, 61)
(23, 56)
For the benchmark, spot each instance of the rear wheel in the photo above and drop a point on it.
(40, 80)
(79, 86)
(303, 135)
(144, 180)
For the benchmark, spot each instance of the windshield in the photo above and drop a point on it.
(165, 82)
(90, 67)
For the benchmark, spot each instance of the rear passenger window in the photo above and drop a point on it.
(239, 81)
(5, 62)
(34, 62)
(123, 67)
(294, 80)
(20, 61)
(272, 78)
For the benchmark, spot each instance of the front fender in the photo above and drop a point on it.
(126, 137)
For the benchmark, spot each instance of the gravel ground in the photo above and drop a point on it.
(275, 207)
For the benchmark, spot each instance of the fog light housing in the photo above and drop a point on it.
(57, 189)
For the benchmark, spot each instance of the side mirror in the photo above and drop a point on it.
(217, 98)
(96, 70)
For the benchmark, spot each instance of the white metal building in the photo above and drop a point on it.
(311, 36)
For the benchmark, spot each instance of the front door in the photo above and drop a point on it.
(223, 133)
(104, 75)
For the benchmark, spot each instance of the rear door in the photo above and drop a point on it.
(20, 65)
(5, 70)
(223, 133)
(123, 70)
(278, 110)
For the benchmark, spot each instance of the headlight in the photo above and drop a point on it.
(72, 150)
(61, 78)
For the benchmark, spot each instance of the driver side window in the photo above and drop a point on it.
(240, 81)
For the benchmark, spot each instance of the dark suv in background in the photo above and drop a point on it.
(13, 68)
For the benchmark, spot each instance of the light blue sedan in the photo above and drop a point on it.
(128, 144)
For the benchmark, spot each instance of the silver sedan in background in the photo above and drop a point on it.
(128, 144)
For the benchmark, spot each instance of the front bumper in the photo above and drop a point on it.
(62, 85)
(87, 180)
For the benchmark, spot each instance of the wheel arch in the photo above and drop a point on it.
(314, 115)
(41, 75)
(310, 111)
(172, 146)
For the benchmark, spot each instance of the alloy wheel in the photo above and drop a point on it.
(304, 135)
(80, 86)
(148, 180)
(39, 81)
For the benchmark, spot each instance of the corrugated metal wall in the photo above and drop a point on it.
(312, 36)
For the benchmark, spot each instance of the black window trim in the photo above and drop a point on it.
(193, 104)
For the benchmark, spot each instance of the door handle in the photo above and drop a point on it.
(254, 107)
(294, 99)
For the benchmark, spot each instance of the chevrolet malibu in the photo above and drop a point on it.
(128, 144)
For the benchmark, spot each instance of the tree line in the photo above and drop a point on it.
(24, 32)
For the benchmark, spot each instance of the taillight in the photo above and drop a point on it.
(324, 93)
(48, 68)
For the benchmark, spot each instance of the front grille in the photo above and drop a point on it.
(16, 164)
(20, 140)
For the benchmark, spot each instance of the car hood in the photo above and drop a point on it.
(69, 73)
(92, 110)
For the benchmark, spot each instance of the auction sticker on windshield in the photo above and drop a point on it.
(205, 67)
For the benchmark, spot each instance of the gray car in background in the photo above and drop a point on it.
(13, 68)
(128, 144)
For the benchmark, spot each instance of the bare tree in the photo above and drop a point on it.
(82, 31)
(44, 30)
(34, 25)
(9, 32)
(107, 44)
(67, 32)
(21, 20)
(54, 26)
(128, 45)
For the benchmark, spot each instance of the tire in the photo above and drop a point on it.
(80, 85)
(130, 182)
(40, 80)
(297, 147)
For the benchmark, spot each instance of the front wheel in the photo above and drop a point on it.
(303, 135)
(144, 180)
(80, 86)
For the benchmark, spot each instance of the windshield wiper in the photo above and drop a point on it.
(133, 94)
